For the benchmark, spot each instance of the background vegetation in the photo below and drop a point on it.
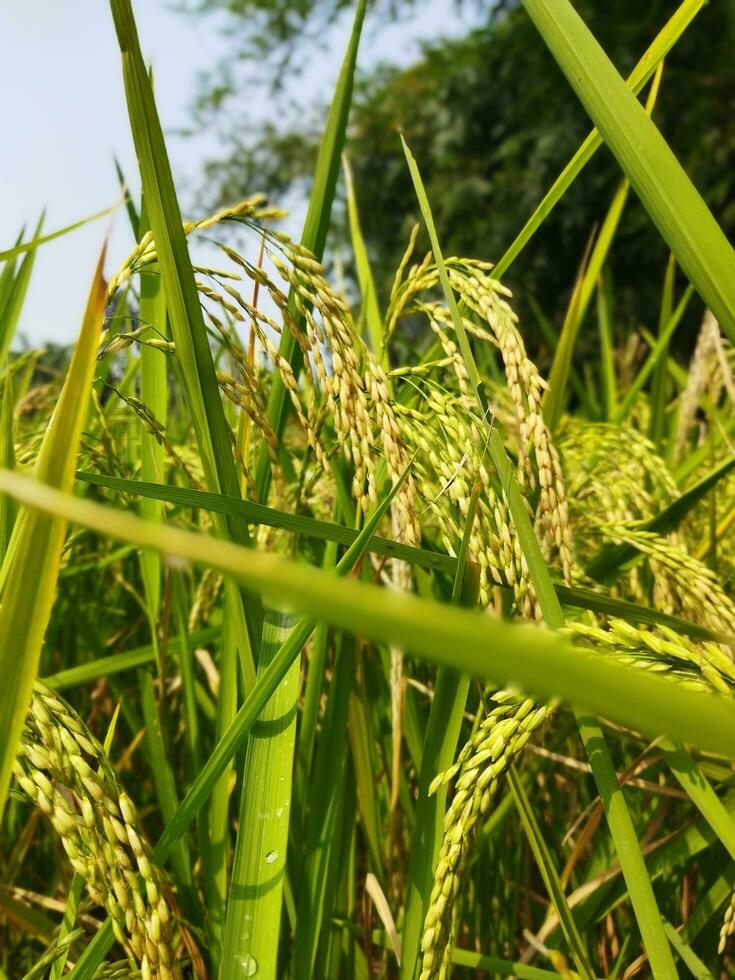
(493, 121)
(338, 637)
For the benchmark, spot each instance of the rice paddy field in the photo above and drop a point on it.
(320, 663)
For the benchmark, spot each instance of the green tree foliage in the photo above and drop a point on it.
(492, 121)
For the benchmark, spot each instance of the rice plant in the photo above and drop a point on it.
(321, 662)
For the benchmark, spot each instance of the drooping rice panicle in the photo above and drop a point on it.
(66, 772)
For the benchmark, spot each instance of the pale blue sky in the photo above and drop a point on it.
(65, 118)
(61, 79)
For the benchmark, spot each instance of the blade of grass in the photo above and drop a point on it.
(687, 955)
(440, 744)
(133, 215)
(611, 558)
(555, 398)
(182, 299)
(607, 347)
(191, 715)
(709, 905)
(700, 792)
(314, 909)
(118, 662)
(217, 855)
(628, 849)
(539, 661)
(543, 586)
(165, 787)
(154, 393)
(22, 247)
(659, 180)
(254, 907)
(586, 399)
(550, 875)
(312, 693)
(300, 524)
(76, 890)
(580, 598)
(255, 513)
(24, 612)
(656, 52)
(30, 920)
(183, 644)
(370, 307)
(595, 899)
(365, 764)
(7, 276)
(675, 852)
(656, 356)
(8, 509)
(660, 380)
(314, 234)
(13, 305)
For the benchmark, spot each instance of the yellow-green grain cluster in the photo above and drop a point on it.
(65, 771)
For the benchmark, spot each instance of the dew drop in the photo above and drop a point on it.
(249, 966)
(271, 857)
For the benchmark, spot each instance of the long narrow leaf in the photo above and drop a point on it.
(440, 743)
(659, 180)
(656, 52)
(575, 596)
(240, 728)
(611, 558)
(24, 612)
(182, 299)
(550, 875)
(628, 849)
(314, 234)
(535, 660)
(259, 866)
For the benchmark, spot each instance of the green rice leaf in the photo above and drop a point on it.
(575, 596)
(314, 234)
(15, 296)
(370, 307)
(654, 55)
(30, 246)
(632, 863)
(545, 664)
(253, 919)
(238, 731)
(182, 299)
(658, 353)
(659, 180)
(555, 398)
(38, 538)
(116, 663)
(550, 875)
(698, 787)
(440, 744)
(611, 558)
(660, 380)
(547, 598)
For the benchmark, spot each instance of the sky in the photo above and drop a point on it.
(66, 120)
